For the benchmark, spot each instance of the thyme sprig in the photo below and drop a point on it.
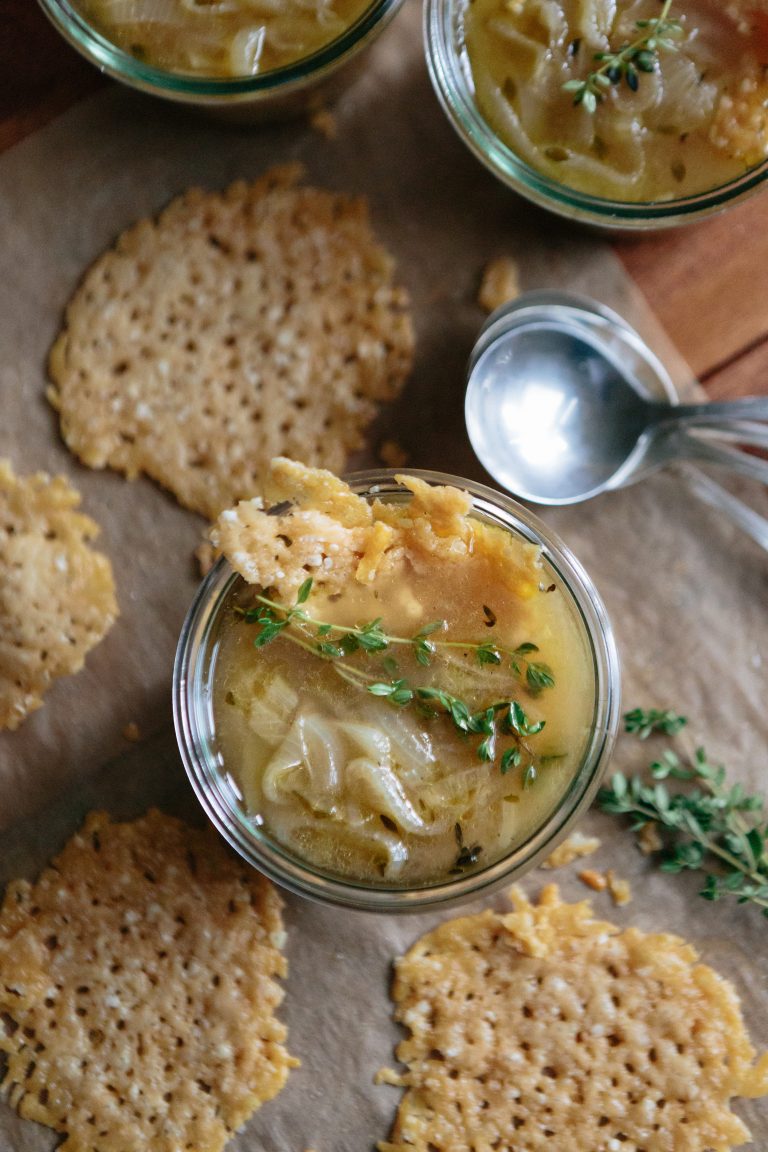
(640, 55)
(493, 722)
(707, 825)
(642, 723)
(337, 642)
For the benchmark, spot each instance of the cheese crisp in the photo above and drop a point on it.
(310, 523)
(57, 594)
(546, 1029)
(137, 991)
(237, 326)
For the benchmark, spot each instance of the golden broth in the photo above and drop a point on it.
(697, 121)
(221, 38)
(361, 788)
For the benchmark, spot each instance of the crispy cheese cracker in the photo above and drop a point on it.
(239, 325)
(312, 524)
(545, 1029)
(137, 990)
(57, 594)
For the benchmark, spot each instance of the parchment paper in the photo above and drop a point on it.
(686, 592)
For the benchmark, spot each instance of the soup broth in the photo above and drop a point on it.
(361, 786)
(221, 38)
(696, 120)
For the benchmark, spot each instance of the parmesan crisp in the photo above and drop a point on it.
(57, 593)
(310, 523)
(547, 1030)
(237, 326)
(137, 990)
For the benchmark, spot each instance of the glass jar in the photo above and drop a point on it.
(195, 674)
(282, 91)
(452, 80)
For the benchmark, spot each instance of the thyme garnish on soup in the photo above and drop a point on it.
(497, 722)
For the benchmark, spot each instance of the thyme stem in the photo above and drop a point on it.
(336, 642)
(640, 55)
(712, 824)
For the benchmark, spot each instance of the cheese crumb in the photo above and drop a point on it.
(393, 454)
(576, 846)
(649, 840)
(499, 285)
(594, 880)
(325, 123)
(620, 890)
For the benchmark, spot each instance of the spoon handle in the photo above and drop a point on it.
(751, 467)
(747, 408)
(748, 432)
(751, 522)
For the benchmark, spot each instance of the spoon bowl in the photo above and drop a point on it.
(536, 412)
(565, 401)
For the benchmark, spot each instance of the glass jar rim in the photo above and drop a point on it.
(451, 81)
(121, 65)
(218, 798)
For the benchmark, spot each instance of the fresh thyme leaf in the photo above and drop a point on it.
(539, 676)
(370, 637)
(399, 692)
(436, 694)
(424, 650)
(303, 593)
(326, 648)
(380, 689)
(519, 722)
(510, 759)
(705, 824)
(349, 643)
(483, 722)
(270, 630)
(460, 714)
(642, 723)
(488, 654)
(656, 35)
(428, 629)
(486, 749)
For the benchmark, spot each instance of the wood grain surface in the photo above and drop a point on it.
(707, 283)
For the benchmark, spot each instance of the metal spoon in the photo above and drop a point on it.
(565, 401)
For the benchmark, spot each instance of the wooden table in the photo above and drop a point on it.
(707, 283)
